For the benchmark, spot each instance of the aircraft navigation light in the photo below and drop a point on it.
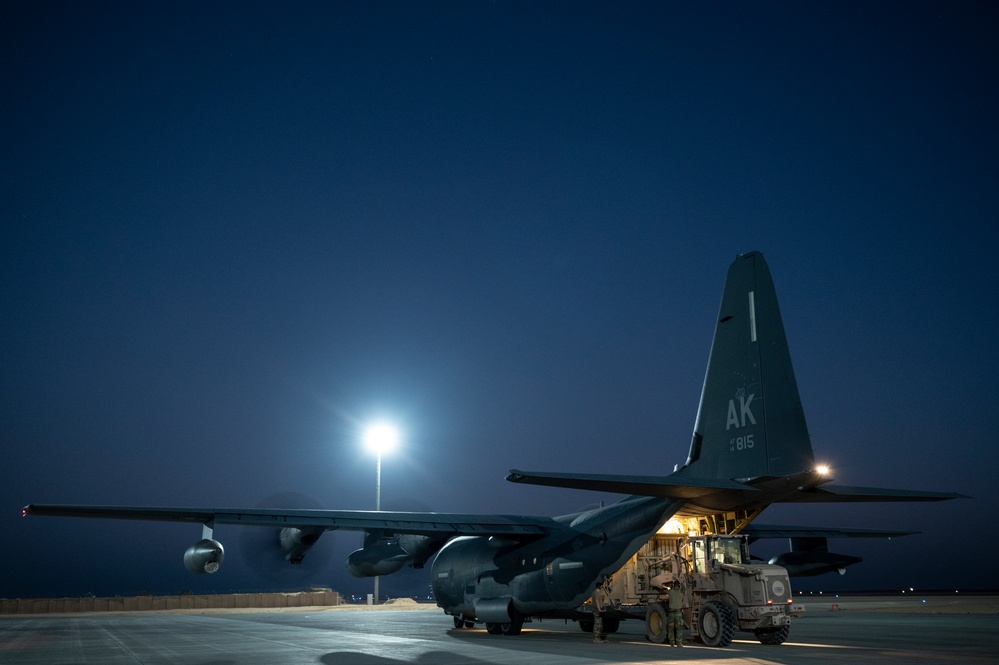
(822, 470)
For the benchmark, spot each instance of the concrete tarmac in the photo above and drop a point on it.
(858, 631)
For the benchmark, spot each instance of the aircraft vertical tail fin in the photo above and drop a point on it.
(749, 421)
(750, 445)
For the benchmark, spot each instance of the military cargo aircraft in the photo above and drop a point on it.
(750, 449)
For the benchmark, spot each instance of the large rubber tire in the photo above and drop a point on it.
(494, 628)
(656, 620)
(459, 622)
(715, 624)
(586, 625)
(773, 635)
(515, 625)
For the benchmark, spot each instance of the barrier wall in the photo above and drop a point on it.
(161, 603)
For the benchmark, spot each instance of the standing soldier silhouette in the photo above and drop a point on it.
(674, 622)
(597, 605)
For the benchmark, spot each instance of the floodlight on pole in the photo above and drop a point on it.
(380, 438)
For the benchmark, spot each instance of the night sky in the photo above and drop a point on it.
(236, 233)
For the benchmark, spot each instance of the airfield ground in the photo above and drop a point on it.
(855, 629)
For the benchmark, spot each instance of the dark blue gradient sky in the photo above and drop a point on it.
(234, 233)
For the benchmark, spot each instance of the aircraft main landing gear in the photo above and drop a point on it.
(461, 623)
(512, 627)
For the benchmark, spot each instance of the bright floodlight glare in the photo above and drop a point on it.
(380, 438)
(822, 470)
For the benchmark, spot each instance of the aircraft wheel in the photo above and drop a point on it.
(716, 625)
(459, 622)
(494, 628)
(773, 635)
(655, 623)
(469, 624)
(611, 625)
(513, 627)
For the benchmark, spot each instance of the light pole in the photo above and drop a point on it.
(380, 438)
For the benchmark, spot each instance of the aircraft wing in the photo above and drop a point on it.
(755, 531)
(427, 524)
(845, 493)
(663, 486)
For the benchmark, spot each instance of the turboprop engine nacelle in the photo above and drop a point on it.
(296, 542)
(811, 556)
(204, 556)
(805, 564)
(384, 556)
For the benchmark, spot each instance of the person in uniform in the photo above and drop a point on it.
(674, 621)
(597, 605)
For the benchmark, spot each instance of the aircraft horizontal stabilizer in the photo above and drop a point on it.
(844, 493)
(672, 487)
